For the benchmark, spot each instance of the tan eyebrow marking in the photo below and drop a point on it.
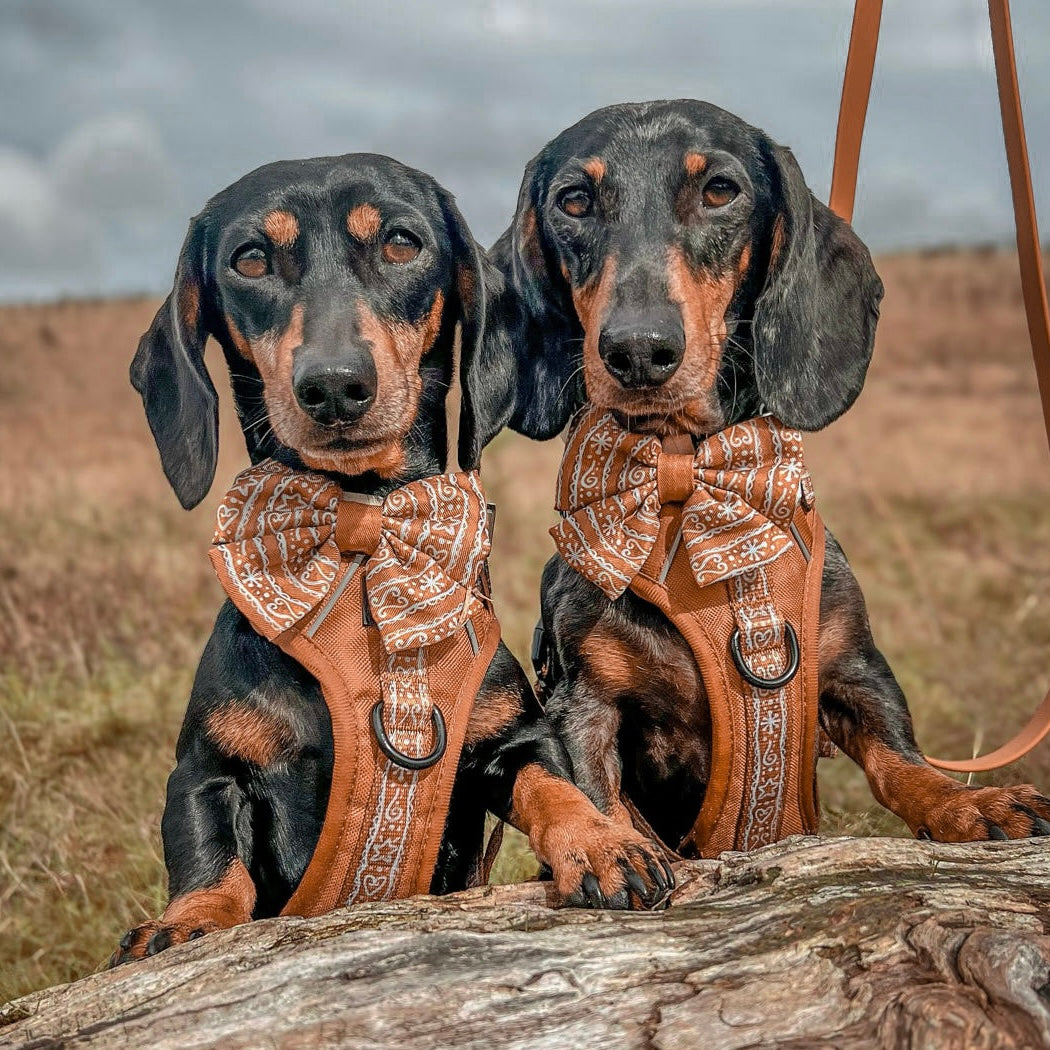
(363, 222)
(595, 167)
(695, 163)
(282, 227)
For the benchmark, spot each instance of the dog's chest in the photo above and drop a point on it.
(664, 711)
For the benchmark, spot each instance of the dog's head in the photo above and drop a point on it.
(667, 261)
(334, 287)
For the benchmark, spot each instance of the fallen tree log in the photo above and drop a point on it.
(810, 943)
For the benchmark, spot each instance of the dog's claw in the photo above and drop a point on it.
(158, 942)
(670, 874)
(1040, 827)
(636, 883)
(996, 832)
(663, 879)
(593, 892)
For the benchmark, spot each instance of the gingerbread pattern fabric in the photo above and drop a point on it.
(382, 602)
(725, 540)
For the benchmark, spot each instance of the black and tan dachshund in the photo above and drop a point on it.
(334, 287)
(667, 262)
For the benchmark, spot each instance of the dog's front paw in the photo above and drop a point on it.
(599, 863)
(153, 937)
(978, 813)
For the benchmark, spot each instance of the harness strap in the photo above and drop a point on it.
(856, 88)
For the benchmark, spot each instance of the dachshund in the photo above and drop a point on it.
(335, 287)
(668, 263)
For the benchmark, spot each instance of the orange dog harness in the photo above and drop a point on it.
(382, 602)
(725, 541)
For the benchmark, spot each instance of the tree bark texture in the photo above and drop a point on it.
(810, 943)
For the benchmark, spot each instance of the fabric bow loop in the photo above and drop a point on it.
(280, 535)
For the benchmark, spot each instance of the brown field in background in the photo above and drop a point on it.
(936, 484)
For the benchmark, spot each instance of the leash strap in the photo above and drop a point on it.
(856, 88)
(853, 109)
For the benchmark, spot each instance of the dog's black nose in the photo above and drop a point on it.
(641, 355)
(334, 391)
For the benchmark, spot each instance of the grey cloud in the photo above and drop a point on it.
(468, 91)
(113, 168)
(85, 219)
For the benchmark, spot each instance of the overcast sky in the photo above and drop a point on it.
(120, 119)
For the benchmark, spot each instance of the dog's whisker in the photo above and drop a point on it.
(565, 385)
(256, 420)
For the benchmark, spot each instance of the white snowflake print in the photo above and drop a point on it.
(753, 549)
(574, 553)
(432, 582)
(727, 509)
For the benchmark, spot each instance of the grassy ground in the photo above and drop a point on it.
(936, 484)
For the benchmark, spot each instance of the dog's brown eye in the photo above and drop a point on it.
(719, 192)
(401, 246)
(250, 261)
(577, 203)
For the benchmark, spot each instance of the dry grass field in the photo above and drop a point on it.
(937, 485)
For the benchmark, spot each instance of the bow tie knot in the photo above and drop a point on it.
(281, 534)
(675, 476)
(358, 527)
(739, 490)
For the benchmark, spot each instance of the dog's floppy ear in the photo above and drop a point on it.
(814, 321)
(532, 316)
(486, 369)
(168, 371)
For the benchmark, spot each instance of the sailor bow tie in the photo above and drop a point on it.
(280, 535)
(739, 493)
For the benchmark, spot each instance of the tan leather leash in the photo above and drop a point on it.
(853, 109)
(856, 88)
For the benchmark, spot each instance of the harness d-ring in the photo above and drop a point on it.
(407, 761)
(750, 677)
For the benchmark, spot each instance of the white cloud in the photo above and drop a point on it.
(511, 18)
(82, 218)
(39, 237)
(114, 167)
